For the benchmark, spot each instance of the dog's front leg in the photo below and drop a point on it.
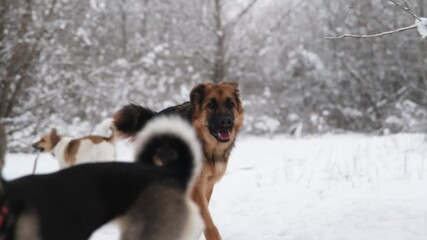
(200, 196)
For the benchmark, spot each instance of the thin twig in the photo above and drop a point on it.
(406, 9)
(374, 35)
(240, 15)
(259, 44)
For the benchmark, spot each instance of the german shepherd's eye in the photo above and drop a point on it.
(212, 104)
(229, 104)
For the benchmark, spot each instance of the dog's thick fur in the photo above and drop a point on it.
(150, 202)
(216, 112)
(70, 151)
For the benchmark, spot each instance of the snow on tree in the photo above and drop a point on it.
(422, 26)
(70, 65)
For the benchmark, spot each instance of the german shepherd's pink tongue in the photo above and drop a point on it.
(224, 135)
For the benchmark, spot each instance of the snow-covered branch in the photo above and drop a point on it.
(242, 14)
(374, 35)
(406, 9)
(420, 24)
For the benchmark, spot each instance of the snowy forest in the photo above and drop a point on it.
(334, 140)
(70, 64)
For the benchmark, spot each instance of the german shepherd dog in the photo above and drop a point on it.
(150, 202)
(216, 112)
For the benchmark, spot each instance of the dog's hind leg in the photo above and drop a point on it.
(27, 227)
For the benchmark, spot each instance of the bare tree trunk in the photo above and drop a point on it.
(3, 10)
(422, 46)
(20, 61)
(223, 33)
(144, 19)
(219, 62)
(123, 27)
(3, 146)
(3, 140)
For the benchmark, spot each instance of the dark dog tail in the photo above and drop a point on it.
(130, 119)
(171, 142)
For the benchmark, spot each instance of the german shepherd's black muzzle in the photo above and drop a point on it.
(221, 125)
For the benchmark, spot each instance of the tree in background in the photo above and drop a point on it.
(21, 49)
(69, 64)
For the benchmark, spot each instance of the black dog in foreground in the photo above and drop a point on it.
(150, 202)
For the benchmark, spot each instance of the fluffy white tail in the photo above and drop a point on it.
(106, 128)
(173, 141)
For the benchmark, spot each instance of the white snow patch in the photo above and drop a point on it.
(82, 33)
(422, 26)
(346, 187)
(267, 124)
(267, 92)
(122, 63)
(159, 48)
(149, 58)
(94, 5)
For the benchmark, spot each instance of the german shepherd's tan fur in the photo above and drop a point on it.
(216, 113)
(216, 153)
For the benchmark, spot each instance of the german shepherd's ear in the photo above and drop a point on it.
(197, 94)
(236, 90)
(236, 94)
(234, 84)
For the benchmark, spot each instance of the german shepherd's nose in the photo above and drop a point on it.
(225, 121)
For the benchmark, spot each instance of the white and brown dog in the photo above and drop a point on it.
(69, 151)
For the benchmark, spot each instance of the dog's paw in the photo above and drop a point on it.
(212, 234)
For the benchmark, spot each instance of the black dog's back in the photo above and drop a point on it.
(72, 203)
(82, 197)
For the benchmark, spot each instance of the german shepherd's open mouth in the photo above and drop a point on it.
(222, 135)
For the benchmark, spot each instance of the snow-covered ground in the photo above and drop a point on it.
(347, 187)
